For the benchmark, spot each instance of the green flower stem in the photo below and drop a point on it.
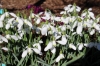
(74, 59)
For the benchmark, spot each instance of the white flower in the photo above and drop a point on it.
(1, 24)
(28, 23)
(80, 46)
(14, 15)
(61, 56)
(27, 51)
(51, 46)
(63, 41)
(92, 31)
(37, 48)
(20, 23)
(38, 20)
(8, 36)
(47, 15)
(14, 37)
(9, 23)
(71, 8)
(4, 48)
(44, 30)
(2, 38)
(37, 51)
(79, 29)
(24, 53)
(72, 46)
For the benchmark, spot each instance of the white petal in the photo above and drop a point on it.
(44, 31)
(29, 50)
(14, 37)
(12, 14)
(79, 29)
(5, 48)
(61, 56)
(38, 21)
(63, 40)
(3, 38)
(80, 46)
(8, 36)
(53, 50)
(92, 32)
(7, 26)
(24, 53)
(49, 46)
(37, 45)
(1, 24)
(72, 46)
(37, 51)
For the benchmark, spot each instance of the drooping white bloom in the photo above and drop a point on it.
(9, 23)
(47, 15)
(72, 46)
(37, 51)
(14, 15)
(24, 53)
(5, 48)
(80, 46)
(92, 31)
(27, 51)
(28, 23)
(20, 23)
(61, 56)
(44, 29)
(63, 41)
(14, 37)
(37, 47)
(79, 28)
(71, 8)
(2, 38)
(51, 45)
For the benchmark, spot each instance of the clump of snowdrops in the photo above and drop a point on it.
(44, 39)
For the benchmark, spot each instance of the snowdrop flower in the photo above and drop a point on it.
(8, 36)
(47, 15)
(27, 51)
(38, 20)
(4, 48)
(88, 14)
(28, 23)
(80, 46)
(72, 46)
(96, 26)
(70, 8)
(79, 28)
(9, 23)
(1, 19)
(57, 18)
(51, 45)
(92, 31)
(61, 56)
(37, 48)
(44, 29)
(2, 38)
(20, 23)
(14, 15)
(63, 40)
